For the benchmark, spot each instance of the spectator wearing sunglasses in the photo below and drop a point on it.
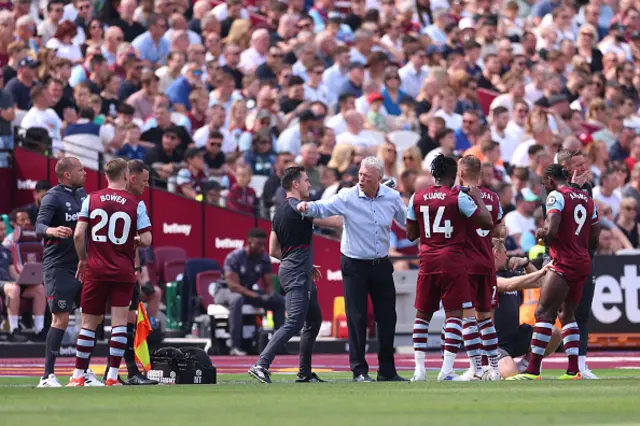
(181, 88)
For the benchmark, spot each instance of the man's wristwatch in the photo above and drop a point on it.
(138, 269)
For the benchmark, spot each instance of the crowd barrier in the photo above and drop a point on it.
(212, 232)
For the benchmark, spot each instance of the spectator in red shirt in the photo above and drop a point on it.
(241, 197)
(199, 100)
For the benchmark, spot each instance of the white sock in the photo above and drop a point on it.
(582, 362)
(447, 363)
(419, 356)
(13, 323)
(113, 373)
(38, 323)
(77, 373)
(472, 365)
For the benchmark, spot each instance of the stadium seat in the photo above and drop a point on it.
(189, 307)
(172, 269)
(27, 247)
(162, 255)
(219, 316)
(206, 287)
(373, 135)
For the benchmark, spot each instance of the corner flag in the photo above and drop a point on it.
(143, 329)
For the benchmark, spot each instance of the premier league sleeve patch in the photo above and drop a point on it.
(551, 200)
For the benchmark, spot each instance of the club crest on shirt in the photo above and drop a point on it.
(258, 268)
(62, 304)
(243, 269)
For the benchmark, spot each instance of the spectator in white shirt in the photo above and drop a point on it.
(533, 90)
(177, 22)
(508, 142)
(42, 115)
(354, 134)
(518, 119)
(221, 12)
(515, 87)
(606, 192)
(347, 102)
(414, 73)
(520, 221)
(338, 74)
(295, 136)
(314, 89)
(447, 112)
(255, 55)
(363, 42)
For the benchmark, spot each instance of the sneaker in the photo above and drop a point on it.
(49, 382)
(16, 337)
(451, 377)
(113, 382)
(140, 380)
(525, 377)
(419, 376)
(312, 378)
(260, 373)
(469, 375)
(588, 374)
(237, 352)
(77, 382)
(567, 376)
(39, 337)
(91, 380)
(491, 374)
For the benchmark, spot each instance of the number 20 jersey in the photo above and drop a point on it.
(443, 216)
(570, 247)
(115, 217)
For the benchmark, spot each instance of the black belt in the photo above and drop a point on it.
(374, 262)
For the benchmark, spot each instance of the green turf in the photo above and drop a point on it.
(238, 400)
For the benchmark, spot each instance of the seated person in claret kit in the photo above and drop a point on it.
(243, 269)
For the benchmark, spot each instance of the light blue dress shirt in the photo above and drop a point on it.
(367, 221)
(148, 50)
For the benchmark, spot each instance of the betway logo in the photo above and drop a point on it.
(71, 217)
(334, 275)
(67, 350)
(175, 228)
(26, 184)
(228, 243)
(613, 300)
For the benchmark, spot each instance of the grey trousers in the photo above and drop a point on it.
(303, 314)
(234, 301)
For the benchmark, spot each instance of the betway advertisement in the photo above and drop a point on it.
(176, 221)
(616, 300)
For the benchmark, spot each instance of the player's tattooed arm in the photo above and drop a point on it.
(274, 246)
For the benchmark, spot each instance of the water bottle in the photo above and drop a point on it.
(172, 183)
(195, 330)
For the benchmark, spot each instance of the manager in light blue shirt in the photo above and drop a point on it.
(151, 45)
(368, 210)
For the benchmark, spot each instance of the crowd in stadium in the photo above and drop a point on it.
(218, 97)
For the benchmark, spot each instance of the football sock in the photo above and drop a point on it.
(13, 323)
(571, 342)
(84, 346)
(541, 335)
(444, 326)
(582, 362)
(129, 354)
(452, 341)
(52, 349)
(420, 335)
(489, 342)
(472, 343)
(117, 346)
(38, 323)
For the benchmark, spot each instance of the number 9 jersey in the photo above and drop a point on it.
(115, 217)
(442, 214)
(569, 249)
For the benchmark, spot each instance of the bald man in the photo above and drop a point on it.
(113, 38)
(56, 222)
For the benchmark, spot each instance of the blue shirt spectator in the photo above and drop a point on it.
(462, 141)
(132, 152)
(392, 107)
(151, 45)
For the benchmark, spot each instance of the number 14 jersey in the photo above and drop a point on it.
(115, 217)
(443, 216)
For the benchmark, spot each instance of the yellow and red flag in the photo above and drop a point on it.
(143, 329)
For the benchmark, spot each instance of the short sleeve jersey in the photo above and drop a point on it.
(479, 250)
(442, 214)
(115, 217)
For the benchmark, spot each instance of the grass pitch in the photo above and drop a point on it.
(239, 400)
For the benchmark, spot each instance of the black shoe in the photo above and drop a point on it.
(39, 337)
(395, 378)
(260, 373)
(363, 378)
(140, 380)
(16, 337)
(312, 378)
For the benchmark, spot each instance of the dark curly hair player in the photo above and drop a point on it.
(570, 227)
